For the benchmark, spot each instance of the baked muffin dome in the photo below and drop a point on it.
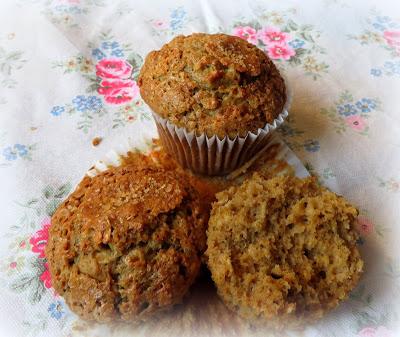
(282, 248)
(126, 243)
(212, 83)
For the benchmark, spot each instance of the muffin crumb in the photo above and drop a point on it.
(96, 141)
(283, 248)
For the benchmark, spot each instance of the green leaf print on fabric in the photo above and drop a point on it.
(25, 268)
(31, 282)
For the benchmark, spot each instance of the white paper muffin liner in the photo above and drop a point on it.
(211, 155)
(144, 144)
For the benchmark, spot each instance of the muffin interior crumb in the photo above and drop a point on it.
(282, 248)
(96, 141)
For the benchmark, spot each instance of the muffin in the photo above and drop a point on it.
(126, 243)
(215, 98)
(282, 250)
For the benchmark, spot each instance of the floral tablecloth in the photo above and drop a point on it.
(68, 71)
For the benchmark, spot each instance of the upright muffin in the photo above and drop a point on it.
(126, 243)
(282, 250)
(214, 87)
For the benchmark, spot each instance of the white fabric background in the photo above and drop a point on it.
(363, 164)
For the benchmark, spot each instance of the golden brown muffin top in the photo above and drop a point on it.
(212, 83)
(126, 243)
(282, 248)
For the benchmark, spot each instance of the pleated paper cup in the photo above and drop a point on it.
(211, 155)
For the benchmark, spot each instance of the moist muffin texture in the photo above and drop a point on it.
(282, 248)
(212, 83)
(126, 243)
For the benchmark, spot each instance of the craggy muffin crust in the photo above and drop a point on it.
(126, 243)
(213, 84)
(282, 248)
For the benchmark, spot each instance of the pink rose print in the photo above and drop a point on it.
(113, 68)
(380, 331)
(39, 239)
(393, 39)
(356, 122)
(107, 86)
(13, 265)
(246, 33)
(118, 91)
(159, 24)
(364, 225)
(45, 277)
(120, 95)
(367, 332)
(278, 52)
(272, 36)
